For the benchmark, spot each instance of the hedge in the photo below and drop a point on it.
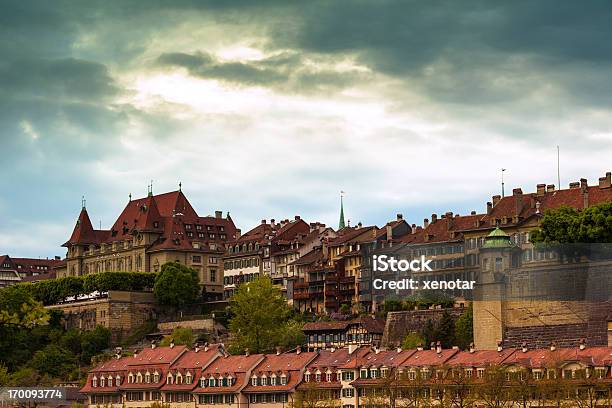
(55, 290)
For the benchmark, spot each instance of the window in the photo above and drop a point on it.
(307, 377)
(273, 380)
(328, 377)
(147, 378)
(318, 377)
(537, 375)
(188, 378)
(212, 259)
(94, 382)
(156, 377)
(283, 379)
(348, 376)
(348, 392)
(102, 381)
(213, 275)
(363, 373)
(196, 259)
(254, 381)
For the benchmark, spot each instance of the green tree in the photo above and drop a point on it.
(180, 336)
(25, 377)
(176, 285)
(445, 330)
(565, 225)
(260, 316)
(93, 342)
(464, 328)
(53, 360)
(412, 340)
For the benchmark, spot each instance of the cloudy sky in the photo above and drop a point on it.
(269, 110)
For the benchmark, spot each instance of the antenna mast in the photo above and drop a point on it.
(502, 181)
(558, 169)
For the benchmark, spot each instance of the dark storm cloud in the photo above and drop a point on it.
(286, 71)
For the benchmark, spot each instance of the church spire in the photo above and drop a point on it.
(341, 223)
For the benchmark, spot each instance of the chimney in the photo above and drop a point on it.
(471, 348)
(352, 348)
(574, 185)
(399, 217)
(524, 347)
(196, 347)
(473, 212)
(153, 344)
(331, 350)
(582, 344)
(500, 346)
(553, 346)
(297, 218)
(425, 222)
(247, 352)
(399, 349)
(172, 343)
(438, 347)
(432, 346)
(584, 187)
(57, 258)
(359, 225)
(278, 350)
(419, 346)
(434, 217)
(118, 352)
(218, 214)
(263, 221)
(489, 207)
(496, 199)
(413, 229)
(606, 182)
(376, 350)
(298, 349)
(540, 189)
(449, 220)
(517, 193)
(550, 188)
(205, 346)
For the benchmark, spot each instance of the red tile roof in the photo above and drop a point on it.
(290, 364)
(429, 358)
(238, 367)
(479, 358)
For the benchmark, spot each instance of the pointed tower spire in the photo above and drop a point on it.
(83, 232)
(83, 202)
(341, 223)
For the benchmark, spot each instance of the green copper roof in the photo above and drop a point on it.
(497, 239)
(341, 223)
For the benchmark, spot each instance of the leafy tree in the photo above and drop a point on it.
(180, 335)
(4, 375)
(18, 308)
(565, 225)
(176, 285)
(291, 335)
(25, 377)
(53, 360)
(445, 330)
(260, 317)
(93, 342)
(412, 340)
(464, 328)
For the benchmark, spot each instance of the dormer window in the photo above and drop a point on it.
(179, 378)
(118, 380)
(102, 381)
(307, 377)
(110, 381)
(254, 380)
(373, 373)
(264, 380)
(156, 377)
(188, 378)
(130, 378)
(363, 373)
(283, 379)
(147, 377)
(211, 382)
(155, 224)
(273, 380)
(94, 382)
(169, 379)
(202, 382)
(328, 377)
(384, 372)
(139, 378)
(318, 377)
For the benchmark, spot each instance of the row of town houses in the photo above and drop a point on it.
(206, 376)
(318, 268)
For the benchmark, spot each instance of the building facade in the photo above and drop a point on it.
(149, 232)
(355, 377)
(15, 270)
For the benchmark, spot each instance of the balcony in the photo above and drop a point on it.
(301, 296)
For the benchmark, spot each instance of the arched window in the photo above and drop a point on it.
(94, 381)
(169, 379)
(118, 380)
(139, 378)
(179, 378)
(110, 381)
(130, 378)
(102, 381)
(188, 378)
(254, 380)
(156, 377)
(138, 262)
(147, 377)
